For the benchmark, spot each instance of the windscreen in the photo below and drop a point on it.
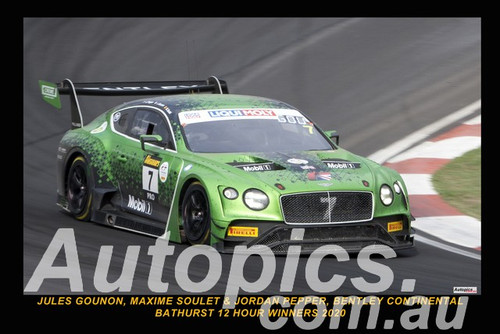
(250, 130)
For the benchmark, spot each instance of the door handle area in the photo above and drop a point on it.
(122, 158)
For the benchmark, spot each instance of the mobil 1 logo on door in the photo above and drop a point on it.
(150, 173)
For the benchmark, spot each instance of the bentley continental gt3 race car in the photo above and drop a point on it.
(221, 169)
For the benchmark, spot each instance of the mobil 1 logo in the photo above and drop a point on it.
(150, 173)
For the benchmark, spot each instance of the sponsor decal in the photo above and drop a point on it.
(114, 88)
(292, 119)
(139, 205)
(315, 176)
(210, 115)
(191, 115)
(50, 94)
(395, 226)
(243, 231)
(257, 167)
(342, 164)
(49, 91)
(297, 161)
(152, 161)
(242, 112)
(307, 167)
(164, 172)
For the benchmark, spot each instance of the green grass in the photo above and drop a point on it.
(459, 183)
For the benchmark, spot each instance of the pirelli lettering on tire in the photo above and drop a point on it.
(140, 205)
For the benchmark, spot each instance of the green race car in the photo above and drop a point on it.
(222, 169)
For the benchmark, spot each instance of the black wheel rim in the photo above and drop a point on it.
(196, 216)
(77, 189)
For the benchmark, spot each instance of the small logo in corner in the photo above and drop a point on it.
(465, 289)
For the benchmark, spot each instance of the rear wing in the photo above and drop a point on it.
(51, 92)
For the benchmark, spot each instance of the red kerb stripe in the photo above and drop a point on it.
(461, 130)
(431, 205)
(418, 165)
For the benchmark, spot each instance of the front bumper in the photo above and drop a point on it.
(350, 236)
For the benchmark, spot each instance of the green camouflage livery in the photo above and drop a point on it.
(147, 166)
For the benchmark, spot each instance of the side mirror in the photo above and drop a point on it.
(153, 139)
(333, 135)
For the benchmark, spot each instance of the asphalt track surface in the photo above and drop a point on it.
(373, 80)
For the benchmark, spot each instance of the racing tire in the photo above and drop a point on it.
(79, 189)
(196, 215)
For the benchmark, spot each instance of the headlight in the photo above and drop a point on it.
(386, 195)
(397, 187)
(230, 193)
(255, 199)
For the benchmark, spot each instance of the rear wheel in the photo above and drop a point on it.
(196, 215)
(78, 189)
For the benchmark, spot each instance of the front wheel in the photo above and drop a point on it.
(196, 215)
(78, 189)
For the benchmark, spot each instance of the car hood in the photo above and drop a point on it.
(290, 172)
